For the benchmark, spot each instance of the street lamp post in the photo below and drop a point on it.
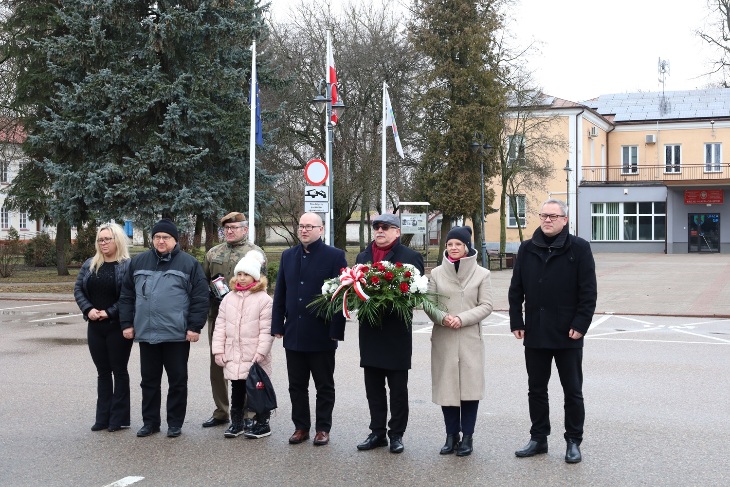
(483, 150)
(323, 101)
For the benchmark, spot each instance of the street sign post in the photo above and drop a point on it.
(316, 199)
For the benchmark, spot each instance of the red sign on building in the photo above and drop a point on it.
(704, 196)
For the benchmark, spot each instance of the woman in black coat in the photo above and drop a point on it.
(97, 290)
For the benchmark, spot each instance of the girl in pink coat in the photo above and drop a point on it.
(242, 336)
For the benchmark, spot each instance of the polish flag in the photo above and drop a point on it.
(332, 77)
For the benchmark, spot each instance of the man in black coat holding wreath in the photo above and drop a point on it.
(386, 346)
(555, 276)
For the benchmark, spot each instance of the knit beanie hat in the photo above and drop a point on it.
(166, 226)
(460, 233)
(251, 264)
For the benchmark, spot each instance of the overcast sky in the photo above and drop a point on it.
(590, 48)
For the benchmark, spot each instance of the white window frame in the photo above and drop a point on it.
(515, 149)
(23, 220)
(4, 171)
(672, 158)
(713, 157)
(629, 159)
(521, 201)
(4, 218)
(612, 219)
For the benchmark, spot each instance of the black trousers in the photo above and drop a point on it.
(321, 366)
(461, 419)
(569, 362)
(173, 357)
(378, 403)
(110, 353)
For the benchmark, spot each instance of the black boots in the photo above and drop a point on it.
(236, 427)
(465, 447)
(452, 443)
(462, 448)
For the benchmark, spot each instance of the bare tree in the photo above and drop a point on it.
(717, 35)
(526, 145)
(369, 47)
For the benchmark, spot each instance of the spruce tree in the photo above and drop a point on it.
(151, 117)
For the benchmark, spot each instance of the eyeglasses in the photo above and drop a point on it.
(231, 228)
(104, 240)
(160, 238)
(545, 216)
(308, 228)
(384, 226)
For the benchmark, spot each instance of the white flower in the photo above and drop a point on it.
(421, 284)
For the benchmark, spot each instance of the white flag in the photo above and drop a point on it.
(389, 121)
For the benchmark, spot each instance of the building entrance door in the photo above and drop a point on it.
(704, 232)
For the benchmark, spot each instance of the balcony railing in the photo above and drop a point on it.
(660, 173)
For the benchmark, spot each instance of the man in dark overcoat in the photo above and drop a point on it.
(555, 276)
(310, 341)
(386, 346)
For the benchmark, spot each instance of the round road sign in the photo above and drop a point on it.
(316, 172)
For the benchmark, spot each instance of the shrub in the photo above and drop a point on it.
(40, 251)
(271, 272)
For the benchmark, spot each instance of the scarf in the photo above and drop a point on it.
(245, 288)
(379, 254)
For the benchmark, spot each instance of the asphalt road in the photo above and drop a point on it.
(656, 389)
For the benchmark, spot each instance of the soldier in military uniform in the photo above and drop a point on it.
(221, 260)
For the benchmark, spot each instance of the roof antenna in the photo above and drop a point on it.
(663, 67)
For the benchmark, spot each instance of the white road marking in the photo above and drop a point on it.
(500, 315)
(712, 322)
(624, 331)
(704, 336)
(29, 306)
(125, 481)
(426, 329)
(657, 341)
(59, 317)
(599, 321)
(634, 319)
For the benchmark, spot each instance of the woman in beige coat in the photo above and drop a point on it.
(457, 347)
(242, 336)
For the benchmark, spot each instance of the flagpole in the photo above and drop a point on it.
(252, 151)
(329, 230)
(383, 144)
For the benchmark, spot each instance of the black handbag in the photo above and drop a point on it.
(260, 393)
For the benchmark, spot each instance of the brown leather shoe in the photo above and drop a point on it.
(321, 438)
(299, 436)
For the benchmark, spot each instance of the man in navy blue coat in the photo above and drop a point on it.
(310, 342)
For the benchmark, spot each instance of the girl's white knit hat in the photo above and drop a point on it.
(251, 264)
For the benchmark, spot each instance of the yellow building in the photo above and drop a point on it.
(643, 172)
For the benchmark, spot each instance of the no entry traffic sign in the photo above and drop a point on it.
(316, 172)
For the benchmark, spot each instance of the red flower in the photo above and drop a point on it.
(407, 274)
(366, 269)
(398, 265)
(404, 287)
(388, 276)
(374, 280)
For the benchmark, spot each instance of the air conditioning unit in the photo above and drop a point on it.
(593, 132)
(651, 139)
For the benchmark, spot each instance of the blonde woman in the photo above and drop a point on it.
(97, 290)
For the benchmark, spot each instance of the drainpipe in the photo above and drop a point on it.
(567, 196)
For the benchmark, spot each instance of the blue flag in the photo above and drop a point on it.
(259, 128)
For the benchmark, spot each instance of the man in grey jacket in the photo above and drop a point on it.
(163, 306)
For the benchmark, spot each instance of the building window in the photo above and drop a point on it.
(23, 220)
(516, 149)
(511, 220)
(672, 158)
(713, 157)
(4, 218)
(4, 171)
(642, 221)
(629, 159)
